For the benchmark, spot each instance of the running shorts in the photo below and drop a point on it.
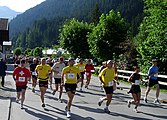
(70, 87)
(57, 80)
(152, 82)
(43, 83)
(108, 90)
(135, 89)
(20, 88)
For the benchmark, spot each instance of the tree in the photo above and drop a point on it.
(17, 51)
(109, 36)
(37, 52)
(27, 51)
(151, 41)
(96, 15)
(73, 38)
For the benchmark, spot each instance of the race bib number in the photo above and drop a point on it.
(110, 84)
(88, 74)
(33, 73)
(71, 75)
(137, 82)
(81, 68)
(156, 75)
(22, 79)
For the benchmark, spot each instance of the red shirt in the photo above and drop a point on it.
(89, 67)
(21, 75)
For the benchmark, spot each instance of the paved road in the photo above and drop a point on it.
(84, 106)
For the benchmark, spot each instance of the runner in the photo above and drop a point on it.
(43, 71)
(33, 73)
(81, 67)
(153, 80)
(135, 90)
(70, 73)
(106, 77)
(88, 68)
(21, 75)
(57, 70)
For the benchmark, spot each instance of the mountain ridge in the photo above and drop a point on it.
(6, 12)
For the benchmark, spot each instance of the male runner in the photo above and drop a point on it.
(57, 70)
(106, 77)
(43, 71)
(153, 80)
(88, 69)
(70, 73)
(33, 73)
(21, 75)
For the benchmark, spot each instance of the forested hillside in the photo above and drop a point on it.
(39, 26)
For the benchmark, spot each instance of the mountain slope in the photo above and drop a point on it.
(6, 12)
(80, 9)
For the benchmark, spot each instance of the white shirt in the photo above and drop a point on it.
(58, 67)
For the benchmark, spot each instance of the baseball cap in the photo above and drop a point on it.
(109, 62)
(154, 60)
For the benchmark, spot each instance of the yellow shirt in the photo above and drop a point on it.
(43, 71)
(107, 76)
(81, 67)
(70, 74)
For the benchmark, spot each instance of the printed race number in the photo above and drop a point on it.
(71, 76)
(22, 79)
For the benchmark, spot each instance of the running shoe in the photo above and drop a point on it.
(106, 110)
(145, 100)
(68, 114)
(100, 102)
(157, 101)
(53, 93)
(59, 100)
(22, 106)
(43, 105)
(129, 103)
(17, 100)
(33, 90)
(135, 110)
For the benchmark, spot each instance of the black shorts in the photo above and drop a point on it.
(152, 82)
(43, 83)
(57, 80)
(70, 87)
(34, 76)
(108, 90)
(135, 89)
(20, 88)
(82, 75)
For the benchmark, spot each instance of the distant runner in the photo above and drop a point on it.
(107, 76)
(43, 71)
(70, 73)
(153, 81)
(57, 70)
(33, 73)
(21, 75)
(88, 69)
(135, 80)
(81, 67)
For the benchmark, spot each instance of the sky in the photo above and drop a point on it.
(20, 5)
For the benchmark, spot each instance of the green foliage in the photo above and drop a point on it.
(151, 41)
(37, 52)
(28, 52)
(17, 51)
(96, 15)
(73, 38)
(109, 37)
